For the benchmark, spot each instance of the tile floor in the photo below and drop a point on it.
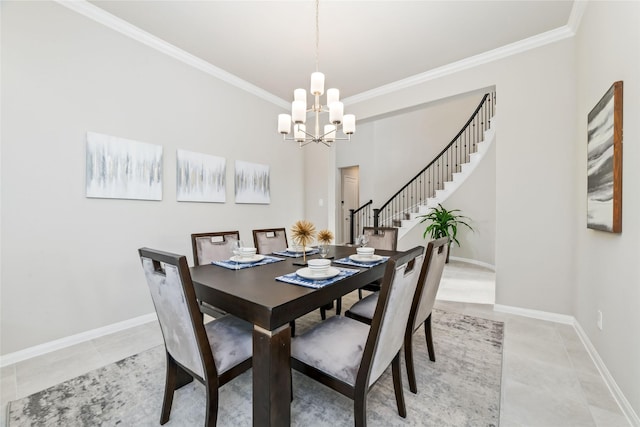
(548, 378)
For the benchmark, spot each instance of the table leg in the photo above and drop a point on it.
(272, 376)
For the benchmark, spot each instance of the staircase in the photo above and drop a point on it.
(443, 175)
(440, 196)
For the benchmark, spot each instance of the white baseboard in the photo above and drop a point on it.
(617, 394)
(535, 314)
(622, 401)
(473, 261)
(38, 350)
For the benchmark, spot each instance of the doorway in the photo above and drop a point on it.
(350, 198)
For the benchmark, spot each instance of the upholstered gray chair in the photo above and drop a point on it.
(421, 308)
(269, 240)
(209, 247)
(383, 238)
(213, 353)
(350, 356)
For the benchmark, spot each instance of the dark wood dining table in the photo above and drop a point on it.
(254, 295)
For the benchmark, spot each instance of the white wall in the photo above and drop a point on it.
(69, 263)
(534, 167)
(608, 47)
(476, 199)
(546, 259)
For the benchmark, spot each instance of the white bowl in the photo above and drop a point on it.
(247, 252)
(365, 252)
(318, 265)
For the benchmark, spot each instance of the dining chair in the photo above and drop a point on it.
(383, 238)
(269, 240)
(350, 356)
(214, 246)
(209, 247)
(213, 353)
(421, 307)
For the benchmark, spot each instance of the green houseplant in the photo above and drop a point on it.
(444, 223)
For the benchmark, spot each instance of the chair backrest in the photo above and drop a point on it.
(175, 302)
(209, 247)
(390, 318)
(383, 238)
(268, 240)
(429, 281)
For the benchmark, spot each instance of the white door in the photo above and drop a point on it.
(350, 198)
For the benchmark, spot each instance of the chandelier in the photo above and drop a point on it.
(299, 110)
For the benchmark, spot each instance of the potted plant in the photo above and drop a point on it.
(444, 223)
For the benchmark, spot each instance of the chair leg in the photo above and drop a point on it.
(359, 293)
(429, 337)
(292, 326)
(408, 360)
(338, 306)
(323, 313)
(397, 385)
(169, 387)
(360, 409)
(211, 417)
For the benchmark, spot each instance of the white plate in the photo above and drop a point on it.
(294, 251)
(364, 258)
(308, 274)
(243, 260)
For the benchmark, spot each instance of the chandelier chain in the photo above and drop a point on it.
(317, 33)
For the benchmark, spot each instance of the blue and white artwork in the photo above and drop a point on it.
(600, 164)
(252, 183)
(119, 168)
(200, 177)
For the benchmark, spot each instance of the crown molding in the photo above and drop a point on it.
(103, 17)
(99, 15)
(579, 6)
(533, 42)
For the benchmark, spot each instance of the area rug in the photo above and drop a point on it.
(462, 388)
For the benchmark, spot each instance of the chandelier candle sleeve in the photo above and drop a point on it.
(300, 133)
(330, 133)
(333, 95)
(284, 123)
(349, 124)
(317, 83)
(298, 112)
(300, 95)
(336, 110)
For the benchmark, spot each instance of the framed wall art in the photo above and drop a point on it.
(119, 168)
(252, 183)
(604, 162)
(200, 177)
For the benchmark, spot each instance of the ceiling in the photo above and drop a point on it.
(362, 45)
